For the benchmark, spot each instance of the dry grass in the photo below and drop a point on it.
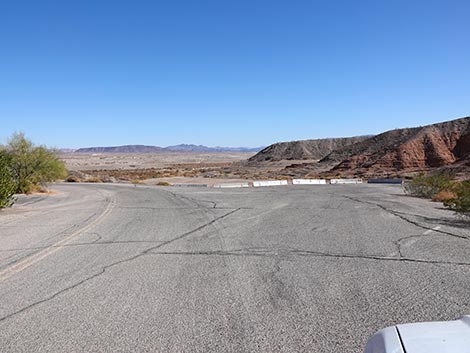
(37, 189)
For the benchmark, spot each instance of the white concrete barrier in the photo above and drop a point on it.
(269, 183)
(232, 185)
(346, 181)
(309, 181)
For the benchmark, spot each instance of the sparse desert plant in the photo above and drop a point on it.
(106, 179)
(461, 202)
(7, 182)
(311, 176)
(93, 179)
(163, 183)
(137, 182)
(72, 179)
(37, 189)
(428, 186)
(32, 165)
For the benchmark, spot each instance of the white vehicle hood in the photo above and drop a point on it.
(442, 337)
(423, 337)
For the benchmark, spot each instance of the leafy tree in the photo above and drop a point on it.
(32, 165)
(7, 182)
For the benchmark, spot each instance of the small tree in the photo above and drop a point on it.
(7, 182)
(32, 165)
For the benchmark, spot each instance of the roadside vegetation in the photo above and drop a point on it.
(163, 183)
(428, 186)
(455, 195)
(72, 179)
(460, 203)
(25, 168)
(7, 183)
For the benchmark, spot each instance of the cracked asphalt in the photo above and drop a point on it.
(113, 268)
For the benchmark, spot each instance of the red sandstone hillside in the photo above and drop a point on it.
(440, 145)
(303, 150)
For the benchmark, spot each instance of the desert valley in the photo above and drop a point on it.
(441, 147)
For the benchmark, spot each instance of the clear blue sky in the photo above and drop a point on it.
(228, 72)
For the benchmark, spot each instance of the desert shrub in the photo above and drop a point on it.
(283, 177)
(72, 179)
(93, 179)
(461, 202)
(7, 182)
(37, 189)
(443, 196)
(163, 183)
(428, 186)
(107, 179)
(32, 165)
(137, 182)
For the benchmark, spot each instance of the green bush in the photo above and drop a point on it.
(461, 202)
(428, 186)
(32, 165)
(7, 182)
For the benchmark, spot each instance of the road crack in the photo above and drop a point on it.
(62, 233)
(105, 268)
(276, 253)
(195, 201)
(402, 217)
(95, 242)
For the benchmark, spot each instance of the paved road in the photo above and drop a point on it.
(102, 268)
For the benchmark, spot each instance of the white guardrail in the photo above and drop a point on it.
(308, 181)
(346, 181)
(269, 183)
(232, 185)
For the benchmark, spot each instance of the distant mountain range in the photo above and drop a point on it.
(157, 149)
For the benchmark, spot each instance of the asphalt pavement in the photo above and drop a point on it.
(114, 268)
